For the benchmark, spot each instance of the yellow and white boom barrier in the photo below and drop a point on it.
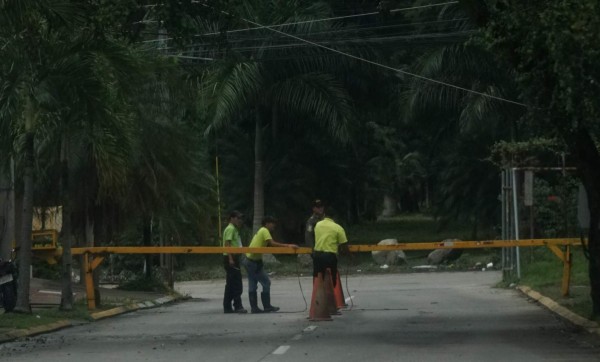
(93, 256)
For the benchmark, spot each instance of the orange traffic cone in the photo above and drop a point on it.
(331, 304)
(318, 304)
(338, 292)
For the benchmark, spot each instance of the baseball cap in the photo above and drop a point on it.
(318, 203)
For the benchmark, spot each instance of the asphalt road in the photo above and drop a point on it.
(401, 317)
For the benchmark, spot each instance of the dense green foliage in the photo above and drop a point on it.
(118, 112)
(553, 48)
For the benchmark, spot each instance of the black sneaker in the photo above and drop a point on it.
(240, 310)
(228, 311)
(271, 309)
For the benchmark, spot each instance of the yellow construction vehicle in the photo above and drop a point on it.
(44, 245)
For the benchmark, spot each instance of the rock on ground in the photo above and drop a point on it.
(391, 257)
(439, 256)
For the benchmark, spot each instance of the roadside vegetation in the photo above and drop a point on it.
(145, 123)
(542, 271)
(43, 316)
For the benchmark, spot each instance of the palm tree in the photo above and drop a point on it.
(130, 136)
(64, 86)
(269, 87)
(91, 88)
(457, 118)
(29, 29)
(169, 185)
(133, 135)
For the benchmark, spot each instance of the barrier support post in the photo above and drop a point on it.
(89, 268)
(567, 263)
(567, 258)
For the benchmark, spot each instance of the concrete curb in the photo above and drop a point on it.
(46, 328)
(28, 332)
(563, 312)
(133, 307)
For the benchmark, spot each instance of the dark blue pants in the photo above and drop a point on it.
(233, 283)
(256, 274)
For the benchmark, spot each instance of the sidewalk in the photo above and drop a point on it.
(46, 293)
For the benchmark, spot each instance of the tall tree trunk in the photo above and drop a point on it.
(354, 209)
(88, 188)
(7, 210)
(147, 241)
(259, 182)
(89, 242)
(26, 224)
(389, 206)
(587, 157)
(66, 300)
(594, 259)
(166, 260)
(427, 195)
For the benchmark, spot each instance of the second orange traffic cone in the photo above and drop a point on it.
(338, 292)
(331, 304)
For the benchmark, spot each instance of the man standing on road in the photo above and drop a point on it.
(231, 262)
(330, 238)
(317, 215)
(255, 270)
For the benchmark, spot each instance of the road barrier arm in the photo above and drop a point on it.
(93, 256)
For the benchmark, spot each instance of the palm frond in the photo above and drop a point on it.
(316, 95)
(465, 66)
(231, 91)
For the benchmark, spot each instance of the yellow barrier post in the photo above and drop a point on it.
(567, 264)
(89, 267)
(566, 257)
(89, 282)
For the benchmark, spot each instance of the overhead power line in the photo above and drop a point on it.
(406, 37)
(342, 17)
(189, 57)
(352, 31)
(393, 11)
(417, 76)
(344, 41)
